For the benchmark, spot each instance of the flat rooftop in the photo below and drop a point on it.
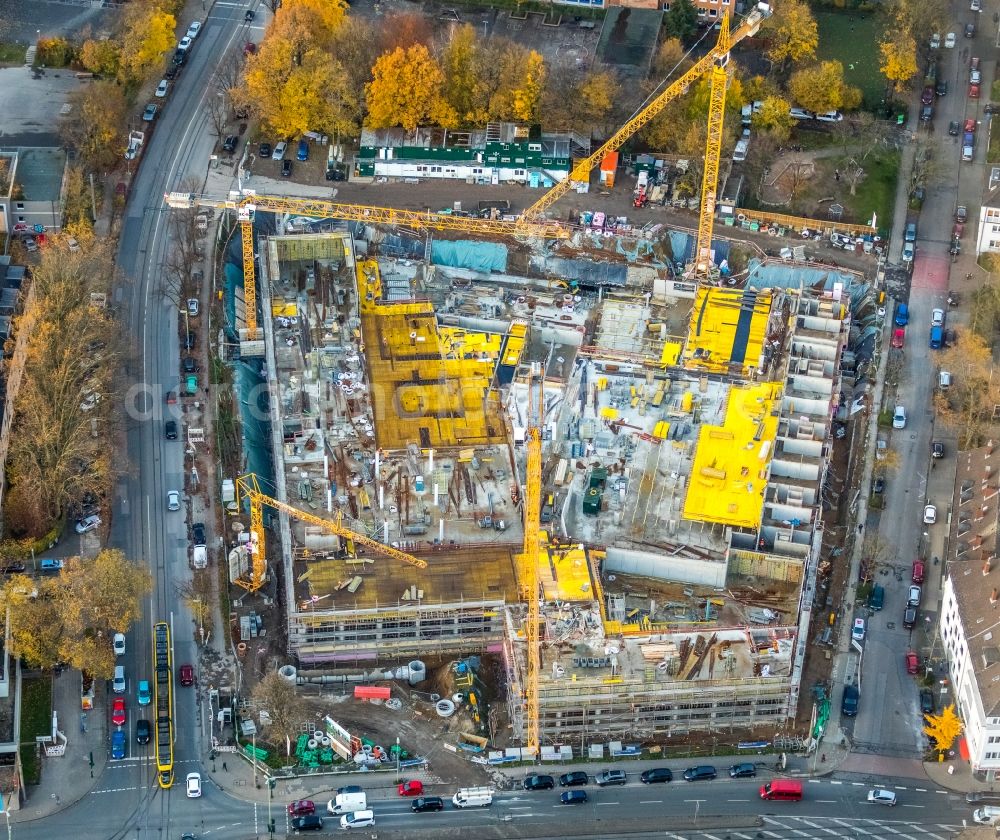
(39, 173)
(480, 572)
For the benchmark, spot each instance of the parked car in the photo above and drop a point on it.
(917, 573)
(970, 30)
(701, 773)
(930, 514)
(50, 565)
(170, 430)
(743, 771)
(909, 617)
(949, 40)
(973, 91)
(899, 417)
(264, 151)
(161, 88)
(229, 144)
(858, 630)
(610, 777)
(303, 150)
(954, 128)
(849, 703)
(149, 114)
(898, 338)
(118, 644)
(656, 775)
(198, 533)
(908, 252)
(194, 29)
(937, 449)
(913, 596)
(912, 662)
(941, 88)
(961, 213)
(173, 500)
(279, 151)
(926, 703)
(927, 95)
(574, 779)
(185, 675)
(189, 365)
(935, 41)
(539, 782)
(88, 523)
(184, 44)
(286, 167)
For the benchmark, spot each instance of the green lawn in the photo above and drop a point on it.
(877, 191)
(36, 719)
(852, 39)
(12, 53)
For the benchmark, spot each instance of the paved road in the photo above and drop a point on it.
(889, 721)
(128, 802)
(709, 809)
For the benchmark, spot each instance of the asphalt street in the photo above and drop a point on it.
(129, 802)
(689, 810)
(889, 720)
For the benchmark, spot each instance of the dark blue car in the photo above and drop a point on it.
(118, 744)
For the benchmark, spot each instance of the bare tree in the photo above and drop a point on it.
(185, 252)
(280, 709)
(217, 108)
(926, 162)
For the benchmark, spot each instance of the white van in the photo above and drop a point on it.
(740, 152)
(357, 819)
(199, 558)
(345, 803)
(474, 797)
(118, 683)
(987, 815)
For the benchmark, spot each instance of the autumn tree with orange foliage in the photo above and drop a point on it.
(407, 89)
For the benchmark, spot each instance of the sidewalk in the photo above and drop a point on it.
(65, 779)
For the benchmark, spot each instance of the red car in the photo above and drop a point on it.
(912, 663)
(973, 91)
(970, 125)
(301, 808)
(918, 571)
(185, 675)
(411, 788)
(118, 711)
(898, 336)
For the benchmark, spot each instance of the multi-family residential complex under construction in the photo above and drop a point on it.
(686, 430)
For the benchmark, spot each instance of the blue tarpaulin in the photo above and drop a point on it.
(486, 257)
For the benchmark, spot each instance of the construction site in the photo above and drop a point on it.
(545, 446)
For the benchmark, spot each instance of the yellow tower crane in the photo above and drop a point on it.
(719, 53)
(529, 576)
(713, 152)
(248, 486)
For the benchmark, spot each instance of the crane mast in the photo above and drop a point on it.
(713, 152)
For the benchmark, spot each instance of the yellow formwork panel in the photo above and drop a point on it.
(563, 572)
(420, 393)
(719, 329)
(286, 309)
(671, 353)
(729, 473)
